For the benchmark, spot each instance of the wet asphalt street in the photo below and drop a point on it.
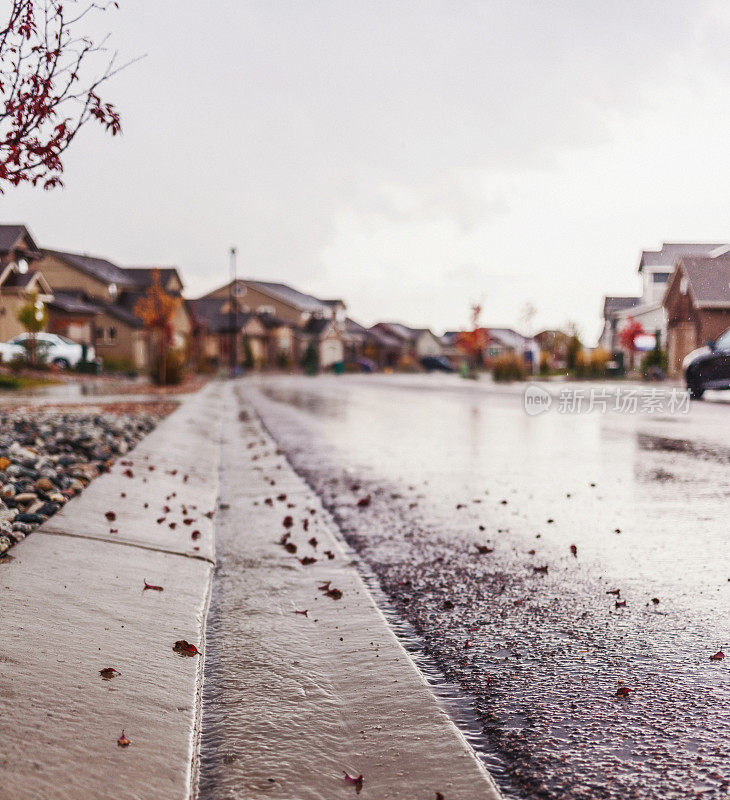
(544, 563)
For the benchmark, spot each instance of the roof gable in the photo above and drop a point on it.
(708, 280)
(16, 237)
(100, 268)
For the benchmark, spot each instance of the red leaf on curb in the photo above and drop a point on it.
(623, 691)
(305, 524)
(185, 648)
(482, 548)
(128, 473)
(304, 613)
(335, 594)
(290, 547)
(195, 535)
(108, 673)
(188, 521)
(288, 521)
(719, 655)
(313, 541)
(621, 604)
(173, 525)
(110, 515)
(324, 587)
(617, 592)
(574, 550)
(329, 554)
(542, 570)
(151, 586)
(356, 782)
(364, 502)
(307, 560)
(122, 741)
(439, 796)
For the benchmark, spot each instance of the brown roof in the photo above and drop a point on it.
(99, 268)
(671, 251)
(708, 280)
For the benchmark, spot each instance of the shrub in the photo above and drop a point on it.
(598, 362)
(654, 360)
(546, 362)
(582, 364)
(174, 369)
(508, 367)
(310, 359)
(117, 364)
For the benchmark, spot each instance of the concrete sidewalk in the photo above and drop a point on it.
(312, 696)
(73, 603)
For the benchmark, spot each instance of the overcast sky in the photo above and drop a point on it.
(410, 157)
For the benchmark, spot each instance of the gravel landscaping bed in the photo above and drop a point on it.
(49, 455)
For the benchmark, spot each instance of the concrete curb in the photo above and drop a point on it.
(73, 603)
(321, 693)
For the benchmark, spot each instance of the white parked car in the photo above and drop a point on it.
(55, 349)
(10, 351)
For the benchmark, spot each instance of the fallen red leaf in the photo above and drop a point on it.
(185, 648)
(542, 570)
(329, 554)
(173, 525)
(356, 782)
(621, 604)
(109, 672)
(151, 586)
(574, 550)
(617, 592)
(188, 521)
(288, 521)
(623, 691)
(307, 560)
(304, 613)
(110, 515)
(363, 502)
(305, 524)
(482, 548)
(195, 535)
(290, 547)
(128, 473)
(313, 541)
(281, 498)
(324, 586)
(122, 741)
(719, 655)
(335, 594)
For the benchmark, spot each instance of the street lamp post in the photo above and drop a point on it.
(233, 315)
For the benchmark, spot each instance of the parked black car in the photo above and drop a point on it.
(708, 367)
(437, 363)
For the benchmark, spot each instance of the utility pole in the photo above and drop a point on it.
(233, 314)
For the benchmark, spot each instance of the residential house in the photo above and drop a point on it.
(655, 269)
(327, 337)
(20, 278)
(94, 301)
(225, 334)
(416, 343)
(615, 310)
(503, 341)
(354, 339)
(383, 348)
(697, 303)
(293, 309)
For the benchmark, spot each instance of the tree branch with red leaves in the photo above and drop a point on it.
(50, 79)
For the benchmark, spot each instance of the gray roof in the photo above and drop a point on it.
(9, 235)
(72, 302)
(671, 251)
(142, 276)
(208, 311)
(280, 291)
(611, 305)
(355, 327)
(96, 267)
(509, 337)
(709, 280)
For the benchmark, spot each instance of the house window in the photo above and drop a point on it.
(112, 334)
(106, 335)
(660, 277)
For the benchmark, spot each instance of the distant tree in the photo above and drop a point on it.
(248, 360)
(574, 346)
(34, 318)
(627, 335)
(48, 88)
(473, 343)
(157, 311)
(310, 360)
